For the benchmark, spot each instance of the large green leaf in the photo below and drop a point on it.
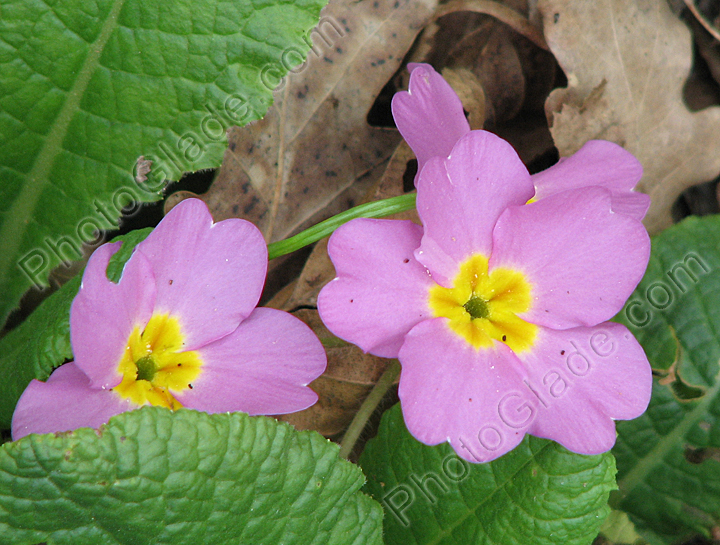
(668, 470)
(539, 493)
(35, 347)
(42, 342)
(86, 89)
(618, 528)
(152, 476)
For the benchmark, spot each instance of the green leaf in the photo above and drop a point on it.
(539, 493)
(118, 260)
(152, 476)
(619, 529)
(87, 90)
(36, 347)
(42, 342)
(668, 470)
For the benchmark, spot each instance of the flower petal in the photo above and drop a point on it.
(429, 115)
(380, 291)
(460, 199)
(582, 259)
(631, 203)
(208, 275)
(263, 367)
(474, 399)
(64, 403)
(600, 163)
(585, 378)
(103, 314)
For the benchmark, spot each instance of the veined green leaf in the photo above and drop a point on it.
(91, 91)
(538, 494)
(620, 530)
(35, 347)
(129, 241)
(152, 476)
(668, 470)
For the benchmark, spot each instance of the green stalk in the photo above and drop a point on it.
(368, 408)
(375, 209)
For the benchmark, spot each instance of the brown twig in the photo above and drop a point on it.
(704, 22)
(502, 13)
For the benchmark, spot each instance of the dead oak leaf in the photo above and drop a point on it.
(315, 142)
(318, 269)
(350, 374)
(348, 379)
(626, 62)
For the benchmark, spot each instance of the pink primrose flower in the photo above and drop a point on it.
(180, 329)
(430, 117)
(498, 309)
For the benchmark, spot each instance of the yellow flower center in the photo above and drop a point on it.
(153, 366)
(483, 307)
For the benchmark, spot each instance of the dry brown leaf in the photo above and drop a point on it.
(318, 269)
(391, 184)
(472, 95)
(349, 377)
(491, 53)
(280, 298)
(350, 373)
(317, 272)
(706, 90)
(626, 62)
(510, 12)
(699, 17)
(283, 170)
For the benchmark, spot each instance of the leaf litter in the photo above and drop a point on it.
(286, 171)
(631, 92)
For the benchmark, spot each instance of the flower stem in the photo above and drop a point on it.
(368, 408)
(375, 209)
